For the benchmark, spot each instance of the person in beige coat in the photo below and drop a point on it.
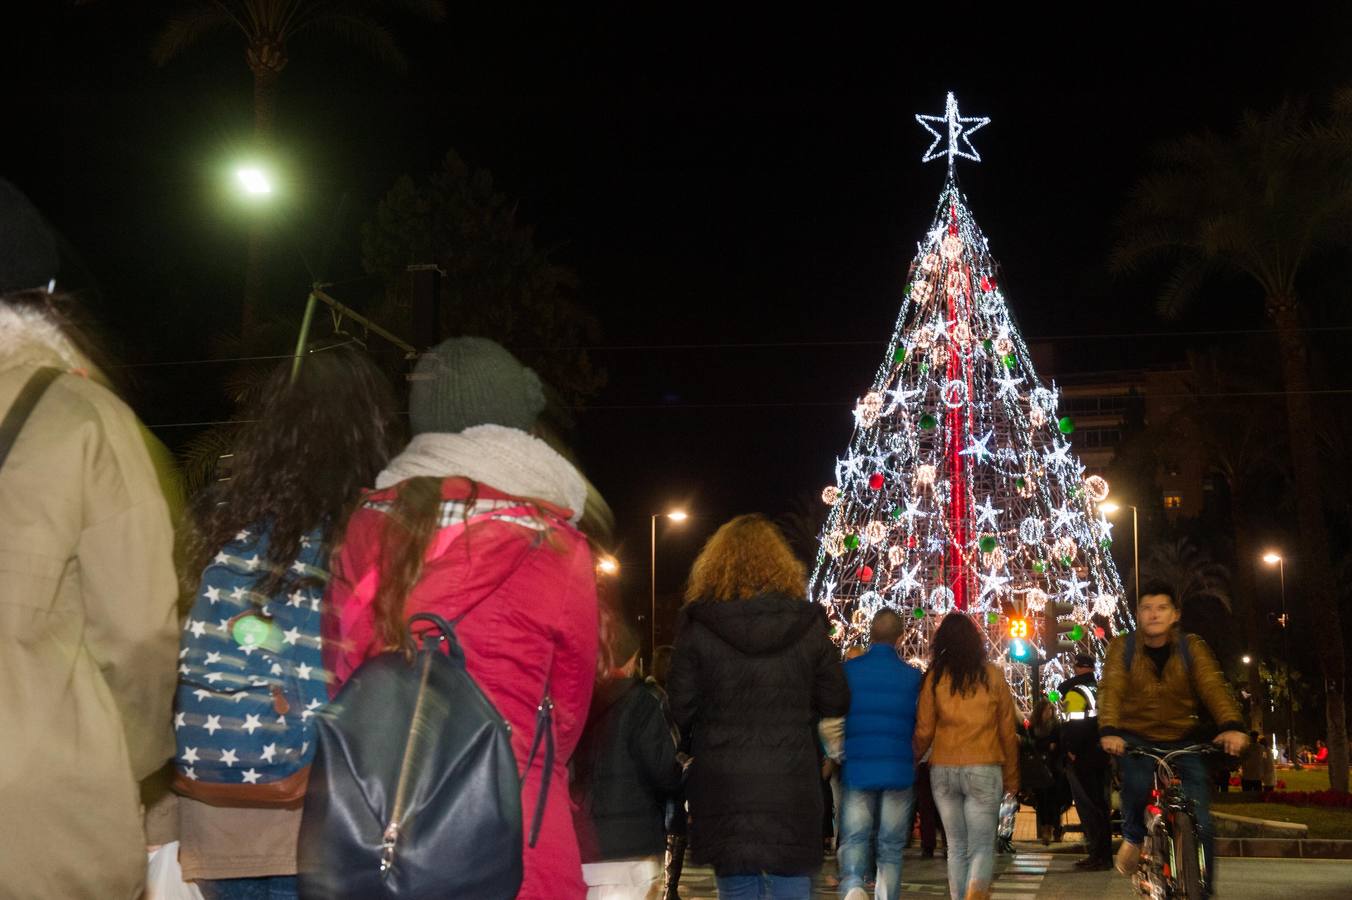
(88, 632)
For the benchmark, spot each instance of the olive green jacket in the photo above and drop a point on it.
(1165, 706)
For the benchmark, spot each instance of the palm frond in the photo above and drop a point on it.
(364, 33)
(201, 456)
(1181, 287)
(185, 28)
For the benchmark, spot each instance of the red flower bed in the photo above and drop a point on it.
(1326, 799)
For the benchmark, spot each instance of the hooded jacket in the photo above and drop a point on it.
(523, 579)
(88, 631)
(749, 680)
(624, 769)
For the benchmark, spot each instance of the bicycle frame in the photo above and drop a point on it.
(1158, 875)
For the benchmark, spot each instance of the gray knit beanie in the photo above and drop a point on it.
(468, 381)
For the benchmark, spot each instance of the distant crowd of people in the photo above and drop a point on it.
(357, 666)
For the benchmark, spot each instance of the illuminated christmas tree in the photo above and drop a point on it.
(959, 490)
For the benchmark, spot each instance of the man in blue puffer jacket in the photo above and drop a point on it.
(879, 766)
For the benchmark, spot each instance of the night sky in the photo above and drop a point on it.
(752, 183)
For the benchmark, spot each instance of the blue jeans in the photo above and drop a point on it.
(968, 798)
(273, 887)
(866, 813)
(1138, 778)
(764, 885)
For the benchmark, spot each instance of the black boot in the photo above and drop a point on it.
(674, 862)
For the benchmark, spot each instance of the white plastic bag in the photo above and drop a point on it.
(164, 879)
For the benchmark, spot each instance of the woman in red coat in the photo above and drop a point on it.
(476, 519)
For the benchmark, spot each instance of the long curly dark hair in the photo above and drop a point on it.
(302, 460)
(957, 649)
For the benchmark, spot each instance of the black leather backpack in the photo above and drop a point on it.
(414, 791)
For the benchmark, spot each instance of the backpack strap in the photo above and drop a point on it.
(544, 730)
(22, 408)
(1129, 656)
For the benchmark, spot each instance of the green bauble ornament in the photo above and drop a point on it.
(1077, 633)
(1021, 483)
(1066, 561)
(924, 367)
(988, 345)
(896, 513)
(1105, 543)
(1009, 360)
(917, 613)
(1054, 695)
(900, 355)
(907, 292)
(1065, 425)
(927, 421)
(987, 544)
(852, 541)
(992, 618)
(1039, 567)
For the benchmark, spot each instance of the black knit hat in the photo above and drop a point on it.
(28, 254)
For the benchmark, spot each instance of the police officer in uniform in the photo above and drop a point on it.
(1088, 767)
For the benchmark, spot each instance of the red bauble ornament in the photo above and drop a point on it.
(875, 481)
(911, 541)
(986, 283)
(865, 573)
(1099, 632)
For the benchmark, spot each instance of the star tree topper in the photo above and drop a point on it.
(959, 133)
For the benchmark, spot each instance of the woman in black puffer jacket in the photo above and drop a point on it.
(753, 671)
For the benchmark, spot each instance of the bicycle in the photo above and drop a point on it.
(1173, 864)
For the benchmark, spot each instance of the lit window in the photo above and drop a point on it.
(1173, 501)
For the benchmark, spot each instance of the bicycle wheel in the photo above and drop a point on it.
(1189, 861)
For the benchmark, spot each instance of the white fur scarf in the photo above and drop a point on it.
(28, 338)
(504, 458)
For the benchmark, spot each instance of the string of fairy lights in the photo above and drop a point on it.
(959, 490)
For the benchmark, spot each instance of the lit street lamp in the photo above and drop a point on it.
(1110, 508)
(676, 515)
(254, 181)
(1246, 659)
(607, 565)
(1272, 558)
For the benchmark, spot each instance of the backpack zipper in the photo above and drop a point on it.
(390, 837)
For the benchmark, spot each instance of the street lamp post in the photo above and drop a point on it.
(675, 515)
(1111, 508)
(1275, 559)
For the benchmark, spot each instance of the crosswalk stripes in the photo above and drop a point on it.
(1021, 878)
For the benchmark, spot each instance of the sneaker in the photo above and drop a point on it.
(857, 894)
(927, 853)
(1128, 857)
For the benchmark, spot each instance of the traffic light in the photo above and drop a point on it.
(1059, 636)
(1021, 648)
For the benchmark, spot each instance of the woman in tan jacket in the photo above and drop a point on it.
(966, 718)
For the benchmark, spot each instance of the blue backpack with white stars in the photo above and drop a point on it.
(250, 677)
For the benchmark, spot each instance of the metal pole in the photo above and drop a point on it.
(652, 580)
(1136, 554)
(1286, 654)
(304, 337)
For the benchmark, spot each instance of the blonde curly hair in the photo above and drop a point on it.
(746, 557)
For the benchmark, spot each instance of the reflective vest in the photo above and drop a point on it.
(1089, 694)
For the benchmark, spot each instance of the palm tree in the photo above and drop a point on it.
(1260, 203)
(1234, 434)
(269, 27)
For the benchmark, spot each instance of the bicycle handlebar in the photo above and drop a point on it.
(1163, 753)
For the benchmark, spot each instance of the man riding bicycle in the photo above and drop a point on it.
(1155, 682)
